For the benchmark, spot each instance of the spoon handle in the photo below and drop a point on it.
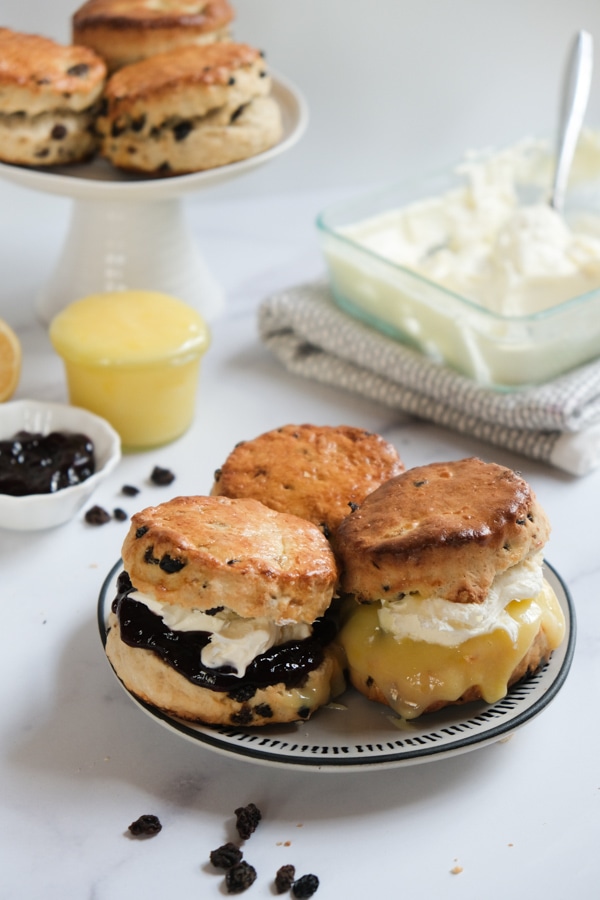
(575, 98)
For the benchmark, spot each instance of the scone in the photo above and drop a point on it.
(125, 31)
(190, 109)
(317, 472)
(48, 100)
(220, 613)
(446, 596)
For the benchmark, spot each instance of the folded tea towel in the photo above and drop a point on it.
(557, 422)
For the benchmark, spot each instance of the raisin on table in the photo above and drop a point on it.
(161, 476)
(305, 886)
(247, 819)
(284, 878)
(96, 515)
(239, 877)
(226, 856)
(145, 825)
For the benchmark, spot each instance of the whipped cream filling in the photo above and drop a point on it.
(485, 242)
(439, 621)
(234, 641)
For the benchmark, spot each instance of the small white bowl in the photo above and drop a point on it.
(38, 511)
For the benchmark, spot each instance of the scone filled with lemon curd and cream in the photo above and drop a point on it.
(220, 613)
(446, 600)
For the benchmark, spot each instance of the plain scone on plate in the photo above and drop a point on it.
(49, 97)
(190, 109)
(317, 472)
(125, 31)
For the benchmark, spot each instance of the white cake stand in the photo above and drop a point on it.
(128, 231)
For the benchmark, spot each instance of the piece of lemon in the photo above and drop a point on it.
(10, 361)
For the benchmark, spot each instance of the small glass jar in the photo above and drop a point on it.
(133, 357)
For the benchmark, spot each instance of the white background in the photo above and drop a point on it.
(395, 88)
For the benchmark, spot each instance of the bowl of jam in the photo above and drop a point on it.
(52, 458)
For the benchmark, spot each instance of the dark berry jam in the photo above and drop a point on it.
(32, 463)
(287, 663)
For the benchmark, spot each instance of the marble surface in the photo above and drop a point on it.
(80, 761)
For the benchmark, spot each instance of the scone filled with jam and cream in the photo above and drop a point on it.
(446, 600)
(220, 613)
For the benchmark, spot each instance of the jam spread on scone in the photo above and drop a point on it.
(286, 663)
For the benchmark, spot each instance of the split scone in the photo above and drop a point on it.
(48, 100)
(125, 31)
(317, 472)
(220, 613)
(191, 109)
(446, 597)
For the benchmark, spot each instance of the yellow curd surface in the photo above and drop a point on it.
(413, 675)
(133, 357)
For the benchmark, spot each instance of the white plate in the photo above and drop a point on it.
(354, 734)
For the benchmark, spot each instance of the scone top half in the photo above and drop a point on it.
(125, 31)
(203, 553)
(317, 472)
(38, 75)
(445, 529)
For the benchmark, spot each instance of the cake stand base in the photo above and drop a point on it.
(115, 245)
(129, 232)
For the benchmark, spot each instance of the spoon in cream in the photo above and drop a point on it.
(576, 92)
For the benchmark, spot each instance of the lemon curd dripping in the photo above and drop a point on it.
(414, 675)
(133, 357)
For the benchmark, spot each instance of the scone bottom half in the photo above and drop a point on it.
(445, 600)
(163, 661)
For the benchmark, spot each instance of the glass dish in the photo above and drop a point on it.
(496, 350)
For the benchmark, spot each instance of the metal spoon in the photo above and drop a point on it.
(575, 98)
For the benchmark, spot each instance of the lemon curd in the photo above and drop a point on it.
(413, 675)
(133, 357)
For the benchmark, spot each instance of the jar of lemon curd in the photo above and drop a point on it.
(133, 357)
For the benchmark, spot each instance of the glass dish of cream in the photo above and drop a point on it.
(474, 268)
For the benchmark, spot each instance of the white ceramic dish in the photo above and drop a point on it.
(38, 511)
(354, 734)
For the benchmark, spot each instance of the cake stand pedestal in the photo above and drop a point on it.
(130, 232)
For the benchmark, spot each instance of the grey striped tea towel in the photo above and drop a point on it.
(557, 422)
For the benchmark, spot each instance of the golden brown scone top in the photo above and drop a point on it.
(191, 66)
(205, 552)
(446, 528)
(203, 15)
(44, 68)
(315, 472)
